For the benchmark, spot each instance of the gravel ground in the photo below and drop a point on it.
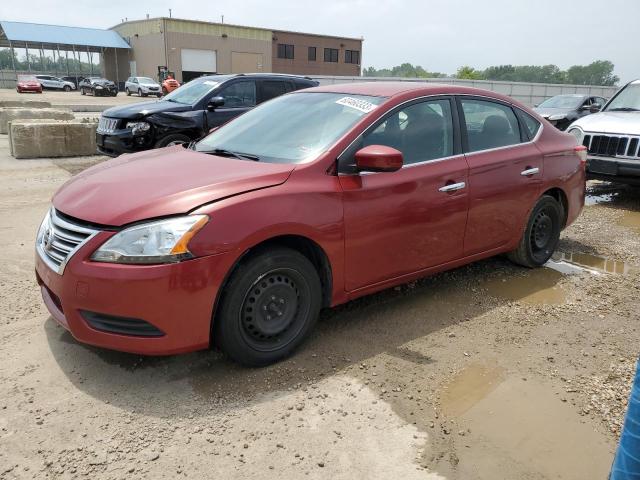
(490, 371)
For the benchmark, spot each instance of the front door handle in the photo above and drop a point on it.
(452, 187)
(530, 171)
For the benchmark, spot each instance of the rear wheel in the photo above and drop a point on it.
(173, 139)
(271, 302)
(542, 234)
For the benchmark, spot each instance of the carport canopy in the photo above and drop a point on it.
(23, 35)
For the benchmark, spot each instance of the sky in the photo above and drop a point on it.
(439, 35)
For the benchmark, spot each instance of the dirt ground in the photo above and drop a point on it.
(489, 371)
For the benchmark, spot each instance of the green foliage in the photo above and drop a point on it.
(599, 72)
(48, 63)
(469, 73)
(405, 70)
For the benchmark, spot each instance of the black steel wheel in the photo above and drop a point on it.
(270, 303)
(541, 235)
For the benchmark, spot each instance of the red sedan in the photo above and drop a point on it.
(28, 83)
(308, 201)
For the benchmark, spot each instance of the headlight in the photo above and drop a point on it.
(558, 116)
(578, 133)
(138, 127)
(163, 241)
(44, 227)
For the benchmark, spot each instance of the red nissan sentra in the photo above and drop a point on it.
(308, 201)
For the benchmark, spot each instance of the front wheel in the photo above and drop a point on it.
(67, 88)
(171, 140)
(127, 91)
(271, 302)
(82, 91)
(542, 234)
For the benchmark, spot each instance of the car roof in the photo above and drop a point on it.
(391, 89)
(255, 75)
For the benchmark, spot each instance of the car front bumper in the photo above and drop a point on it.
(176, 300)
(123, 141)
(613, 169)
(29, 89)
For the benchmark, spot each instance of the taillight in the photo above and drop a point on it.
(581, 151)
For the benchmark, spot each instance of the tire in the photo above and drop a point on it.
(82, 91)
(140, 94)
(164, 91)
(541, 235)
(126, 90)
(159, 95)
(66, 88)
(173, 139)
(271, 302)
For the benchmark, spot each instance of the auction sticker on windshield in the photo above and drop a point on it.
(361, 105)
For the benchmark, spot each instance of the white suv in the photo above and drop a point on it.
(51, 82)
(143, 86)
(612, 137)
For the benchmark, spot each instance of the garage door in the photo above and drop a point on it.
(245, 62)
(199, 60)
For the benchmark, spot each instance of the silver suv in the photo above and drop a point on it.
(612, 137)
(143, 86)
(55, 83)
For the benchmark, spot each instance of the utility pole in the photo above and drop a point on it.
(169, 13)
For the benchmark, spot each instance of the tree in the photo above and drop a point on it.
(406, 70)
(469, 73)
(599, 72)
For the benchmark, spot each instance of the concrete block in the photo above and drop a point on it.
(49, 138)
(25, 104)
(9, 114)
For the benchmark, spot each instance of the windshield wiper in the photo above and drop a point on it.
(624, 109)
(228, 153)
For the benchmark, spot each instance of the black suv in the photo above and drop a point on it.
(190, 111)
(98, 86)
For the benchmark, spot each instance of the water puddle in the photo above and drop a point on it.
(469, 387)
(521, 427)
(538, 287)
(590, 263)
(594, 199)
(631, 220)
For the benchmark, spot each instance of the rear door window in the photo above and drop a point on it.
(489, 124)
(530, 124)
(274, 88)
(239, 94)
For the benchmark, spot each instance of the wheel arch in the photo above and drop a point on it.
(561, 198)
(300, 243)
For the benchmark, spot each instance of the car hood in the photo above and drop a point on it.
(611, 122)
(142, 109)
(547, 112)
(161, 182)
(104, 83)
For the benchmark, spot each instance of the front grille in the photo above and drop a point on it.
(153, 88)
(58, 239)
(623, 146)
(120, 325)
(107, 125)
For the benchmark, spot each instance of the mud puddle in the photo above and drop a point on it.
(591, 263)
(537, 287)
(513, 427)
(631, 220)
(597, 198)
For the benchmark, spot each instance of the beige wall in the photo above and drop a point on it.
(120, 73)
(148, 53)
(301, 65)
(224, 48)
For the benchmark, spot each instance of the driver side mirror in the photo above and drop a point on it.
(214, 103)
(596, 107)
(378, 158)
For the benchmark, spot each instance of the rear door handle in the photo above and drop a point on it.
(452, 187)
(530, 171)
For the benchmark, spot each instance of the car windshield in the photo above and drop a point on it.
(192, 92)
(562, 101)
(26, 78)
(146, 80)
(626, 100)
(293, 128)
